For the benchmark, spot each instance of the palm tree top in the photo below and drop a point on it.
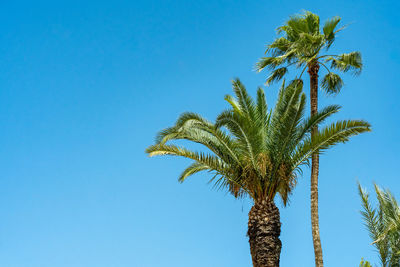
(252, 150)
(301, 44)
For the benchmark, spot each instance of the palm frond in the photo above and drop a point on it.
(278, 47)
(246, 103)
(332, 83)
(236, 125)
(347, 62)
(270, 62)
(329, 30)
(312, 21)
(309, 123)
(276, 75)
(192, 169)
(212, 162)
(329, 136)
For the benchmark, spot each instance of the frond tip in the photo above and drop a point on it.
(276, 75)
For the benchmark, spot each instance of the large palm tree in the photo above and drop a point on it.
(257, 153)
(383, 224)
(302, 45)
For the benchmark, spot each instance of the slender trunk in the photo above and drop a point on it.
(313, 69)
(264, 231)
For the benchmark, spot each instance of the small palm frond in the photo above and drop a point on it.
(192, 169)
(262, 107)
(246, 103)
(309, 123)
(332, 83)
(286, 118)
(312, 21)
(347, 62)
(270, 62)
(263, 117)
(297, 24)
(239, 127)
(368, 214)
(329, 136)
(339, 132)
(329, 30)
(234, 103)
(276, 75)
(211, 161)
(278, 47)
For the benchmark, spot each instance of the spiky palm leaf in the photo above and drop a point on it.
(254, 151)
(383, 224)
(302, 42)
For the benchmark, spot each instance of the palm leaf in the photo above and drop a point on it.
(332, 83)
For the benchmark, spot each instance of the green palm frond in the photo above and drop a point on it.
(234, 103)
(240, 128)
(347, 62)
(278, 47)
(276, 75)
(329, 136)
(193, 169)
(193, 127)
(329, 30)
(369, 214)
(312, 21)
(270, 62)
(309, 123)
(262, 107)
(246, 103)
(285, 119)
(331, 83)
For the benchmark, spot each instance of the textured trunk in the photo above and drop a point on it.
(313, 69)
(264, 230)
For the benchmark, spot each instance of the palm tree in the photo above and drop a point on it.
(257, 153)
(383, 224)
(302, 45)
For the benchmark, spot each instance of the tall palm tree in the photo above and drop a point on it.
(302, 45)
(383, 224)
(257, 153)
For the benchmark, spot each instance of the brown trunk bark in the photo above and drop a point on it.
(313, 69)
(264, 230)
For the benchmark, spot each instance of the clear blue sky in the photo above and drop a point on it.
(84, 87)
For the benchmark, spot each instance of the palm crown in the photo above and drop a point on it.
(252, 150)
(302, 44)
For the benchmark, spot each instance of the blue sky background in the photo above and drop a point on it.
(85, 86)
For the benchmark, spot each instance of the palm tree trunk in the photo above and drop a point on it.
(264, 231)
(313, 69)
